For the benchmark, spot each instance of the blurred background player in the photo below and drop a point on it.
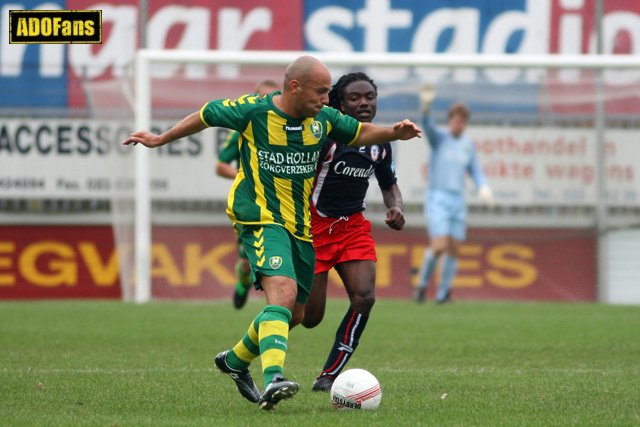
(341, 234)
(227, 167)
(452, 156)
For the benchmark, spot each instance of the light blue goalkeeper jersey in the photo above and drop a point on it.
(451, 157)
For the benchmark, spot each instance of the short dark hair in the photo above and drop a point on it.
(459, 108)
(336, 94)
(268, 83)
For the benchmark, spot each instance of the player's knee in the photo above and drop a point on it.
(280, 291)
(287, 298)
(452, 249)
(363, 303)
(439, 246)
(438, 250)
(311, 319)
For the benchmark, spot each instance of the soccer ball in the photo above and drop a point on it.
(356, 389)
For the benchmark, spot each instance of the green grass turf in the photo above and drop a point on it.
(114, 364)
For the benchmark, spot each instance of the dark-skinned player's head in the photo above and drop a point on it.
(355, 94)
(307, 82)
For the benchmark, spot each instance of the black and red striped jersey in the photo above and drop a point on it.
(342, 177)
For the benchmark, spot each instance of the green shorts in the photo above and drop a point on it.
(273, 251)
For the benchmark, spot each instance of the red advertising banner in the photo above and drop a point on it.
(40, 262)
(572, 31)
(58, 262)
(497, 264)
(196, 25)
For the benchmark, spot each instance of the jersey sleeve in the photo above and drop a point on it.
(475, 170)
(228, 113)
(344, 129)
(434, 135)
(229, 151)
(385, 172)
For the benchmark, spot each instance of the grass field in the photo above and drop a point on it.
(486, 364)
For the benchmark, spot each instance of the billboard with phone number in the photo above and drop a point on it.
(77, 159)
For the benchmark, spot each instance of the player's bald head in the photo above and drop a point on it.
(307, 82)
(306, 68)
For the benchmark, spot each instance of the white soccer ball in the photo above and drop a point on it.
(356, 389)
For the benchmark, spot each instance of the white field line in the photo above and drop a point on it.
(457, 371)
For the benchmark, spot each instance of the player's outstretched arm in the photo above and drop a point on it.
(371, 134)
(185, 127)
(393, 201)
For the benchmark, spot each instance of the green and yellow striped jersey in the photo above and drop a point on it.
(229, 152)
(278, 156)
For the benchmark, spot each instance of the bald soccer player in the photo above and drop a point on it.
(282, 135)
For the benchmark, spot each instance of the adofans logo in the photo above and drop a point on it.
(55, 26)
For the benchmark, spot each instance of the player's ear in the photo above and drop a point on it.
(295, 86)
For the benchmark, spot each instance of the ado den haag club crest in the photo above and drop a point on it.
(316, 129)
(275, 262)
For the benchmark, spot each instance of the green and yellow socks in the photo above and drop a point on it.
(267, 337)
(273, 334)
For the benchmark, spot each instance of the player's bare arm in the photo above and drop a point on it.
(371, 134)
(226, 170)
(393, 201)
(185, 127)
